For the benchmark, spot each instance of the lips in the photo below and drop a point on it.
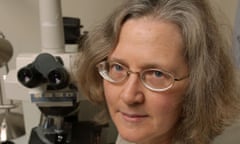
(133, 117)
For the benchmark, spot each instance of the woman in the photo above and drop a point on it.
(164, 72)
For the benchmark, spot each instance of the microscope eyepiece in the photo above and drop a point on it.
(58, 78)
(29, 77)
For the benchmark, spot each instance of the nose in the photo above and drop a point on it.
(132, 93)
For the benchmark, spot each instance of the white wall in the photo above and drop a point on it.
(19, 20)
(228, 7)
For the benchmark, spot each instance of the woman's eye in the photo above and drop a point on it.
(157, 73)
(116, 67)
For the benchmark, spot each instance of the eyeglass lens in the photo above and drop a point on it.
(151, 78)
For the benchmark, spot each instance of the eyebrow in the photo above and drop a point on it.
(152, 65)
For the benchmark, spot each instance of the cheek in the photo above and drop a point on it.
(176, 95)
(165, 105)
(109, 93)
(165, 111)
(169, 102)
(111, 98)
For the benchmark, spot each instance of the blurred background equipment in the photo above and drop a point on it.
(6, 50)
(11, 123)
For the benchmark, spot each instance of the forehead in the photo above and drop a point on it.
(149, 41)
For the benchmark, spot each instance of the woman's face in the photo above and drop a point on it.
(142, 115)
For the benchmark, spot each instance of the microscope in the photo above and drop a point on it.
(47, 80)
(54, 92)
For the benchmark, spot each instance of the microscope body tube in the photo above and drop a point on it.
(51, 23)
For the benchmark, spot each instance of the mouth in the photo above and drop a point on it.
(133, 117)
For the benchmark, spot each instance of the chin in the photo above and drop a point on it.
(134, 137)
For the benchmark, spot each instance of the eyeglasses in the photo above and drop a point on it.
(153, 79)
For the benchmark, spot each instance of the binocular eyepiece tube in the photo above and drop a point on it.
(45, 69)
